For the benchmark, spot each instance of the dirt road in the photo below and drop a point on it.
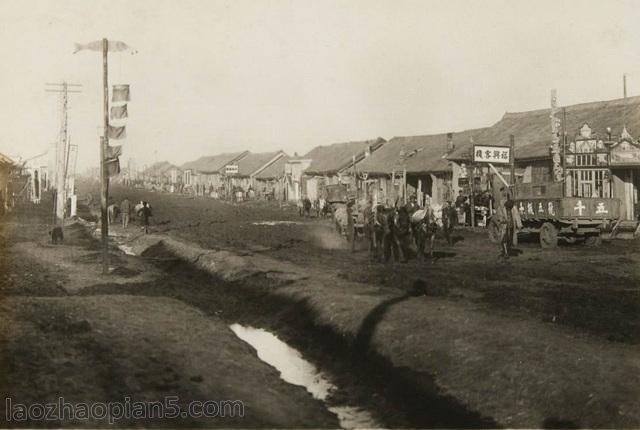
(549, 338)
(61, 337)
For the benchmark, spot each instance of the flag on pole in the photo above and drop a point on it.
(113, 46)
(120, 93)
(119, 112)
(113, 152)
(113, 166)
(117, 132)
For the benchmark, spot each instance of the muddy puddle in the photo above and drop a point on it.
(295, 370)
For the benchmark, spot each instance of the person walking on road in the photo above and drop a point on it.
(369, 216)
(403, 232)
(449, 221)
(125, 209)
(509, 221)
(145, 214)
(390, 243)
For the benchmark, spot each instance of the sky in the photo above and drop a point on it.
(216, 76)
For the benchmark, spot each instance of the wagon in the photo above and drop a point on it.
(338, 197)
(545, 212)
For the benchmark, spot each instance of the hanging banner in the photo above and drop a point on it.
(113, 152)
(113, 167)
(120, 93)
(119, 112)
(117, 132)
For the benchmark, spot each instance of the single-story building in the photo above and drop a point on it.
(293, 177)
(206, 174)
(414, 165)
(601, 157)
(333, 164)
(241, 174)
(163, 174)
(270, 182)
(7, 166)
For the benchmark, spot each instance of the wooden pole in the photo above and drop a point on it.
(103, 167)
(472, 182)
(512, 148)
(564, 152)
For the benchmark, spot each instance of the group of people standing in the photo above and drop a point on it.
(142, 210)
(391, 231)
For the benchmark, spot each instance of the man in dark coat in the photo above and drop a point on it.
(390, 243)
(145, 214)
(369, 217)
(449, 220)
(403, 231)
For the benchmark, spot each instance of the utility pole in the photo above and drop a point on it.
(62, 147)
(512, 167)
(104, 176)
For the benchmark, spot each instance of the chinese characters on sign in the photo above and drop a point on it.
(571, 208)
(491, 154)
(537, 208)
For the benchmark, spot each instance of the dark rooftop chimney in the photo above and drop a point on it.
(450, 145)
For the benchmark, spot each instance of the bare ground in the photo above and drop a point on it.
(56, 341)
(546, 339)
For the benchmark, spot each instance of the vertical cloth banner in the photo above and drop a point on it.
(113, 166)
(116, 132)
(119, 112)
(120, 93)
(113, 152)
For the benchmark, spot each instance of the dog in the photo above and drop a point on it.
(57, 236)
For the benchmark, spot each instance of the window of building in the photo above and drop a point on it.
(590, 183)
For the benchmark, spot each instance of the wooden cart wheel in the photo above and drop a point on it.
(494, 231)
(548, 235)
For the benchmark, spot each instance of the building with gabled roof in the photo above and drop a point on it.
(270, 182)
(7, 166)
(332, 164)
(418, 165)
(206, 174)
(240, 175)
(601, 157)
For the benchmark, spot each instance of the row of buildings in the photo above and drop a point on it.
(601, 158)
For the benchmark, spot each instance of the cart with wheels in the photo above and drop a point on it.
(552, 217)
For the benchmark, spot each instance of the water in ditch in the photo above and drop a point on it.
(294, 369)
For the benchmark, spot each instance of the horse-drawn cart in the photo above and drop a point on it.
(344, 206)
(544, 211)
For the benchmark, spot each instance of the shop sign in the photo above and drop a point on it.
(625, 153)
(491, 154)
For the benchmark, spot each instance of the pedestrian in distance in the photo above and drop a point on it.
(390, 243)
(403, 231)
(125, 210)
(112, 213)
(145, 214)
(379, 228)
(306, 206)
(449, 221)
(509, 222)
(369, 217)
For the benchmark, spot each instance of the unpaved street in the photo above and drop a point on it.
(65, 335)
(548, 338)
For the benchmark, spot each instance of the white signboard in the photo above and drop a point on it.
(491, 154)
(231, 169)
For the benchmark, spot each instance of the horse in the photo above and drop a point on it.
(424, 225)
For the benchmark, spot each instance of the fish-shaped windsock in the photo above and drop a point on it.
(113, 46)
